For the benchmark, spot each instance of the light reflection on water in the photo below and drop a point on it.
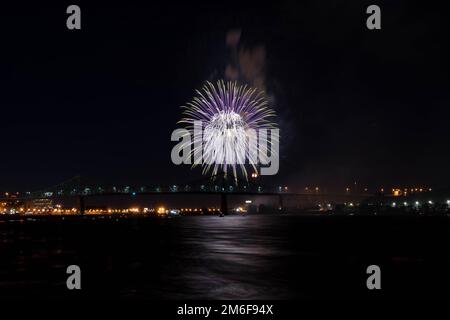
(230, 258)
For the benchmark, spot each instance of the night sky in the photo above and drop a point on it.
(352, 104)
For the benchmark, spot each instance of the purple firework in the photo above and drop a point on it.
(230, 116)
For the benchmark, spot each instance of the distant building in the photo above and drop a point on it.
(41, 203)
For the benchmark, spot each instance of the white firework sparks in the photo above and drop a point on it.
(230, 116)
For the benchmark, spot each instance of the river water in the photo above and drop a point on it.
(231, 257)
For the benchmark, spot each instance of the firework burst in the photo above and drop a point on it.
(230, 115)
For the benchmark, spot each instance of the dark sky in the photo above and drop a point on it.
(353, 104)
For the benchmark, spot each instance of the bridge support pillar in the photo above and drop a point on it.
(280, 203)
(223, 203)
(81, 206)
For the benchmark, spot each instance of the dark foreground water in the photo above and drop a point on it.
(234, 257)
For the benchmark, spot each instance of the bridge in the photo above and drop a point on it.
(219, 185)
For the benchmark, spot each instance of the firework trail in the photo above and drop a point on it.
(231, 115)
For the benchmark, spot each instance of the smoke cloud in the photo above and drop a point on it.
(246, 64)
